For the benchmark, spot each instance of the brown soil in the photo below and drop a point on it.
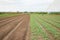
(16, 29)
(6, 18)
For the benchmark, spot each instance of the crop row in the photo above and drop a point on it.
(44, 28)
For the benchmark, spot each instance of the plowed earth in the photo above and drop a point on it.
(15, 28)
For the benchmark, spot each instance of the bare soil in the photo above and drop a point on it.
(16, 28)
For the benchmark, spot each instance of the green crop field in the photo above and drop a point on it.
(45, 27)
(3, 15)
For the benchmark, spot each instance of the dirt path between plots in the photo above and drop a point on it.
(17, 29)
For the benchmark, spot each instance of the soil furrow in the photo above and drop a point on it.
(6, 22)
(8, 27)
(9, 34)
(16, 30)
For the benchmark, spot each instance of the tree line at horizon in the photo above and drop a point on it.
(33, 12)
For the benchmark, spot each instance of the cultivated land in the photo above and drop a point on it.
(45, 27)
(15, 28)
(29, 26)
(7, 15)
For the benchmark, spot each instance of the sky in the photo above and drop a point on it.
(26, 5)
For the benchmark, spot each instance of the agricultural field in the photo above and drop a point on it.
(15, 27)
(26, 26)
(7, 15)
(45, 26)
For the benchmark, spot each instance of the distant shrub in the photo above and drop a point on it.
(54, 12)
(43, 12)
(1, 12)
(25, 12)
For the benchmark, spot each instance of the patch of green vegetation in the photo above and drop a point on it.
(36, 29)
(3, 15)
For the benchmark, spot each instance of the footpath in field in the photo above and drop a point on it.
(15, 28)
(43, 28)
